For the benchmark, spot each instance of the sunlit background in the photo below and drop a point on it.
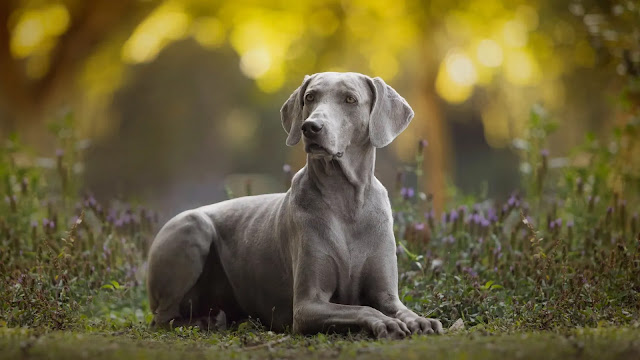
(180, 99)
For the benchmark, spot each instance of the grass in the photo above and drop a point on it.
(138, 343)
(552, 270)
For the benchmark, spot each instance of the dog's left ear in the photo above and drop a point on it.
(390, 114)
(291, 113)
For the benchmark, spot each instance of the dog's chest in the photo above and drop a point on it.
(359, 244)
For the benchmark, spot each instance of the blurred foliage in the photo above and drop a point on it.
(562, 252)
(459, 46)
(58, 249)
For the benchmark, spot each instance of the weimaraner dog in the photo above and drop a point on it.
(320, 257)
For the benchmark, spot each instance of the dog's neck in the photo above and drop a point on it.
(350, 174)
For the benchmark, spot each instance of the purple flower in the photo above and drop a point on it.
(407, 193)
(105, 251)
(423, 144)
(399, 250)
(471, 272)
(430, 215)
(45, 222)
(449, 239)
(570, 223)
(34, 223)
(454, 215)
(498, 249)
(512, 201)
(505, 208)
(59, 152)
(544, 152)
(286, 168)
(529, 220)
(559, 222)
(476, 218)
(485, 223)
(419, 226)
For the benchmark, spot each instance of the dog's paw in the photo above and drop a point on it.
(390, 329)
(420, 326)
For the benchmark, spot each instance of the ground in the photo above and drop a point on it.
(599, 343)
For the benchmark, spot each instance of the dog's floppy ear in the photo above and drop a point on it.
(390, 113)
(291, 113)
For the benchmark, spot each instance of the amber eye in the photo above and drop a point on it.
(351, 100)
(309, 97)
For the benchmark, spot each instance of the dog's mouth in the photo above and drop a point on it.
(316, 149)
(319, 150)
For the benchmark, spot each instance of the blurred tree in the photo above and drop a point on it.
(43, 46)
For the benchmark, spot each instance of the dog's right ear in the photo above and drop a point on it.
(291, 113)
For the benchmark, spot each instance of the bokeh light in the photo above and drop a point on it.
(489, 53)
(456, 77)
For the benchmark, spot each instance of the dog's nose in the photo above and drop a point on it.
(311, 128)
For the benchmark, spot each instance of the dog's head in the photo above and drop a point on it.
(335, 110)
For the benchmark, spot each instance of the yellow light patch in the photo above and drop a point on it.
(255, 62)
(456, 77)
(528, 16)
(167, 23)
(520, 68)
(460, 68)
(489, 53)
(515, 34)
(209, 32)
(324, 22)
(384, 65)
(37, 28)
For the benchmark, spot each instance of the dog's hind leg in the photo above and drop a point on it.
(176, 261)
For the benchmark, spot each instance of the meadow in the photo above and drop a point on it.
(552, 270)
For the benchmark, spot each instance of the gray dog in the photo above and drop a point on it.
(320, 257)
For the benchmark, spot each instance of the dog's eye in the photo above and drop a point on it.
(309, 97)
(351, 100)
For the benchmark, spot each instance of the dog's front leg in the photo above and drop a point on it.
(312, 316)
(315, 282)
(383, 295)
